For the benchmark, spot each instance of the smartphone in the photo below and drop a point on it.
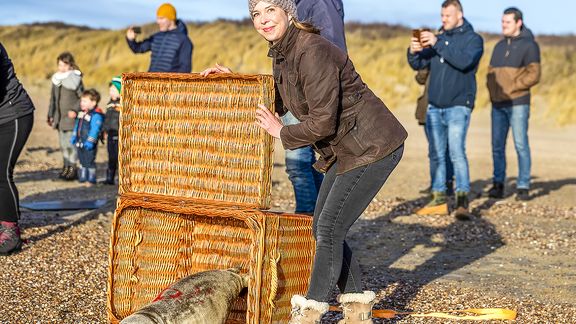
(137, 29)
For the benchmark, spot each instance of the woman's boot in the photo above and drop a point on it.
(357, 307)
(10, 240)
(307, 311)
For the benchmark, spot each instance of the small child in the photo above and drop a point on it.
(86, 134)
(111, 126)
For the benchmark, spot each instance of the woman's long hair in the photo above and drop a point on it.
(305, 26)
(68, 58)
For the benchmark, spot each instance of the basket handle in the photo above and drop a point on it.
(274, 260)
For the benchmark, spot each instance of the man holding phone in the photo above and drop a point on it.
(452, 57)
(171, 47)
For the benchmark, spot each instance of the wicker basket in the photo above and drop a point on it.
(184, 135)
(157, 240)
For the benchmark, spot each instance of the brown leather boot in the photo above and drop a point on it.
(307, 311)
(462, 212)
(357, 307)
(437, 205)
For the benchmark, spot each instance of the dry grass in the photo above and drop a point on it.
(378, 51)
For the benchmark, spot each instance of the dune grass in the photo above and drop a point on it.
(378, 52)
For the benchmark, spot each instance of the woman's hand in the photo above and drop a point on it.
(72, 114)
(216, 69)
(270, 122)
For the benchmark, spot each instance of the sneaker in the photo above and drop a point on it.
(10, 240)
(497, 191)
(522, 195)
(437, 205)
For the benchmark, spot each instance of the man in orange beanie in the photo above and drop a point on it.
(171, 47)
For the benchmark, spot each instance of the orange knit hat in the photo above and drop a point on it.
(166, 10)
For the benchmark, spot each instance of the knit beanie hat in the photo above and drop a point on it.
(287, 5)
(117, 82)
(166, 10)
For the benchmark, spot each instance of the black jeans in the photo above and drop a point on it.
(342, 199)
(112, 150)
(13, 136)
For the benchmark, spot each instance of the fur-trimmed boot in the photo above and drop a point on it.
(307, 311)
(357, 307)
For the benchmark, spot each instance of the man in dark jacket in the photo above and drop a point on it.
(453, 57)
(328, 17)
(514, 69)
(171, 48)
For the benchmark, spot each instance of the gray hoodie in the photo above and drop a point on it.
(67, 88)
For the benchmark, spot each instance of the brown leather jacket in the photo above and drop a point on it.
(339, 116)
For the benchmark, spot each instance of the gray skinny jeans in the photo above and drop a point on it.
(341, 201)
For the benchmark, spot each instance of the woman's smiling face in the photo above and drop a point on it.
(270, 21)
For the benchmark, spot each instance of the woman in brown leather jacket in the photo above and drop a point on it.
(359, 141)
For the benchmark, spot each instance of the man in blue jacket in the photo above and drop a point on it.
(171, 48)
(328, 16)
(452, 56)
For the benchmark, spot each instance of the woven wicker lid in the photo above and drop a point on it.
(185, 135)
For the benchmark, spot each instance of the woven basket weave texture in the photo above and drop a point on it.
(157, 240)
(184, 135)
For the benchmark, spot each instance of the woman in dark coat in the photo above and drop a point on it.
(16, 119)
(358, 139)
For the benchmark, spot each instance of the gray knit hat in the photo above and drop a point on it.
(287, 5)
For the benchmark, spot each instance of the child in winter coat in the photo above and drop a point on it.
(111, 126)
(64, 106)
(86, 134)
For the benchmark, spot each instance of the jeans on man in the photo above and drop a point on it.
(449, 166)
(305, 179)
(515, 117)
(447, 128)
(69, 152)
(342, 199)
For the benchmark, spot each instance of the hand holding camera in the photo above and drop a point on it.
(422, 38)
(133, 31)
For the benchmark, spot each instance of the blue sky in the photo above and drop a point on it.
(543, 17)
